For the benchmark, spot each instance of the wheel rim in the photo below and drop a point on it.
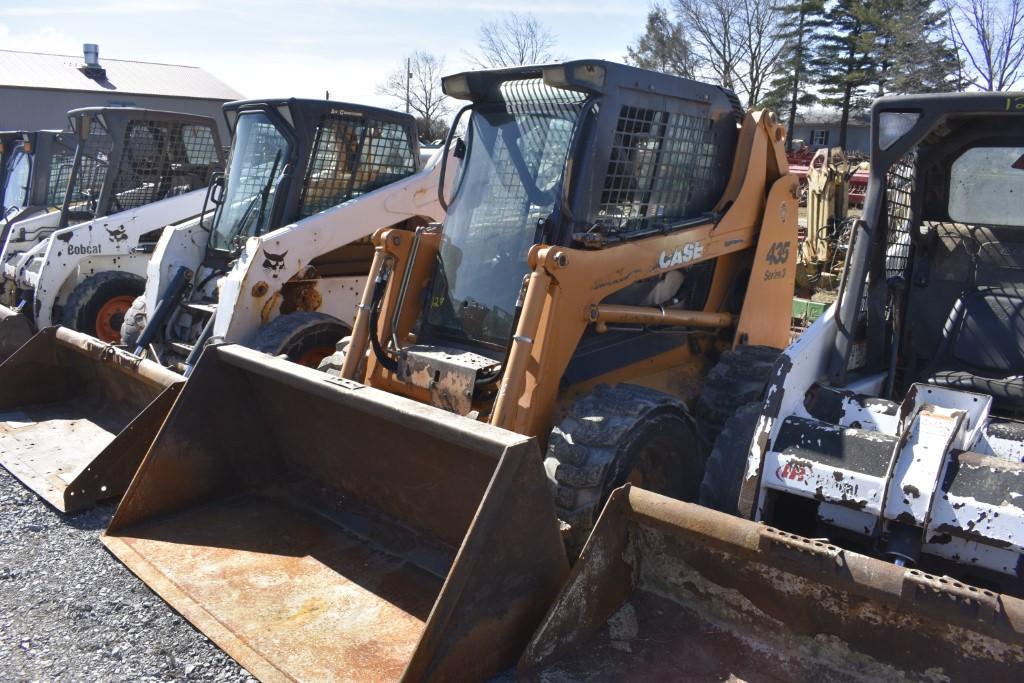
(312, 346)
(110, 317)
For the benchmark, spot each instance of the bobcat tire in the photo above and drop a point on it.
(134, 322)
(332, 364)
(723, 472)
(98, 305)
(305, 337)
(616, 435)
(739, 377)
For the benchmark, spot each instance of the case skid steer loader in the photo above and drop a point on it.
(603, 228)
(135, 171)
(281, 262)
(290, 290)
(879, 486)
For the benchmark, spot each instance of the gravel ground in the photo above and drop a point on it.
(69, 611)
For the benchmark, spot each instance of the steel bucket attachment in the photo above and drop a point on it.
(317, 529)
(15, 330)
(667, 590)
(77, 415)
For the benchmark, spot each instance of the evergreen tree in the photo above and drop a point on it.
(662, 47)
(914, 54)
(789, 88)
(846, 62)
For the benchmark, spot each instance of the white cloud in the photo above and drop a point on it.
(120, 8)
(42, 39)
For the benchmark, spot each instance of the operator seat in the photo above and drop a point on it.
(982, 346)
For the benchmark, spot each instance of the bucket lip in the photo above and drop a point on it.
(419, 416)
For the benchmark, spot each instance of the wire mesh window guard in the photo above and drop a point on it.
(659, 161)
(92, 172)
(162, 159)
(352, 156)
(61, 162)
(899, 191)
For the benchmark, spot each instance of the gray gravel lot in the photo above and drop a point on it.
(69, 611)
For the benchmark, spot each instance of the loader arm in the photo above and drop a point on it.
(251, 294)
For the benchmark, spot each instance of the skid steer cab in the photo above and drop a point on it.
(134, 172)
(875, 496)
(280, 256)
(34, 169)
(610, 233)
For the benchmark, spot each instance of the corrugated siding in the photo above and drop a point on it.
(61, 72)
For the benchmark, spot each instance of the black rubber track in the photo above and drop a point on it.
(723, 472)
(591, 451)
(739, 377)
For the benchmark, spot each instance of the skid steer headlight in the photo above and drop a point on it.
(892, 125)
(456, 86)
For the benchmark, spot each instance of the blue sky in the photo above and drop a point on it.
(304, 47)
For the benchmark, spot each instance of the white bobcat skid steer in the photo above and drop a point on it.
(893, 426)
(135, 171)
(280, 262)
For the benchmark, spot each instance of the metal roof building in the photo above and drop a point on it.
(37, 90)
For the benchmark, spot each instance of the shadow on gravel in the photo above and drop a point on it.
(96, 519)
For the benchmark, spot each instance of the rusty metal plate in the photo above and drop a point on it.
(448, 374)
(285, 591)
(77, 418)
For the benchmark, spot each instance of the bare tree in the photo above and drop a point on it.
(513, 40)
(662, 47)
(989, 35)
(736, 43)
(761, 42)
(418, 89)
(710, 26)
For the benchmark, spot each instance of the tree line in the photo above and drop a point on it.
(781, 54)
(838, 54)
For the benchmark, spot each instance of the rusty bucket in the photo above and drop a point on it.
(666, 590)
(317, 529)
(77, 415)
(15, 330)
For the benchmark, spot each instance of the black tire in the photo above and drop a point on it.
(739, 377)
(614, 435)
(723, 472)
(134, 322)
(296, 335)
(90, 296)
(332, 363)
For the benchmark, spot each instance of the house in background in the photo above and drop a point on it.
(37, 90)
(820, 128)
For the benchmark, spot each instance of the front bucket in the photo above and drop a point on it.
(666, 590)
(15, 330)
(77, 415)
(317, 529)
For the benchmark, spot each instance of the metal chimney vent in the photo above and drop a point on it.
(92, 54)
(92, 68)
